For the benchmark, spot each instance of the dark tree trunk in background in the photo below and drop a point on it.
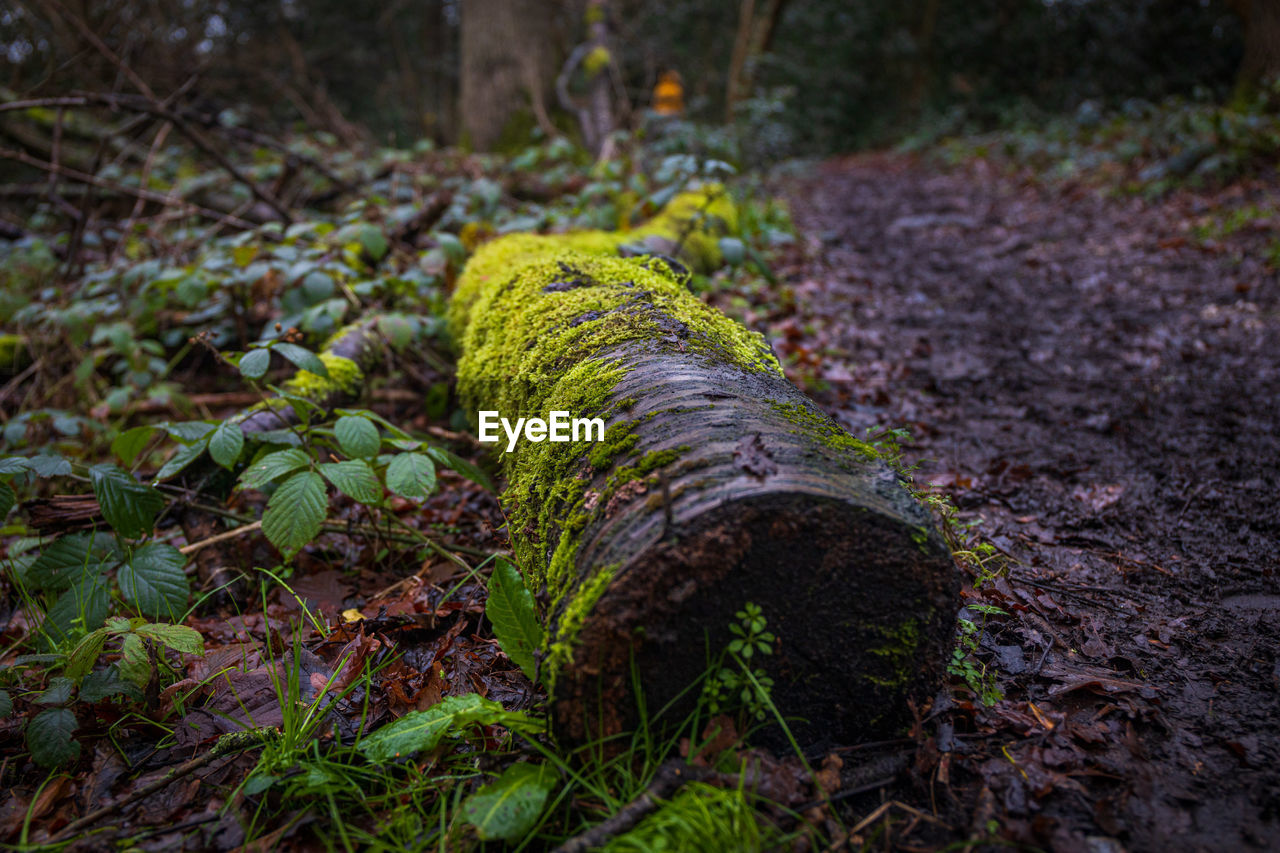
(756, 27)
(1261, 62)
(507, 63)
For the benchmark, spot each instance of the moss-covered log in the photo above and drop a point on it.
(718, 483)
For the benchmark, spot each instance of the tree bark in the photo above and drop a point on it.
(755, 32)
(507, 64)
(1261, 61)
(717, 483)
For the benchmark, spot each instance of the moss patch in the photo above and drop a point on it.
(821, 428)
(552, 323)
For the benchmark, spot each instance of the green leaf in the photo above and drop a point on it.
(452, 246)
(180, 638)
(354, 478)
(86, 654)
(66, 561)
(13, 465)
(303, 406)
(128, 444)
(58, 692)
(135, 663)
(508, 807)
(370, 238)
(7, 499)
(128, 506)
(188, 432)
(398, 329)
(154, 582)
(49, 737)
(732, 250)
(278, 436)
(514, 616)
(295, 512)
(454, 462)
(46, 465)
(82, 607)
(226, 443)
(6, 705)
(303, 358)
(418, 731)
(271, 466)
(357, 436)
(100, 684)
(254, 363)
(186, 454)
(411, 475)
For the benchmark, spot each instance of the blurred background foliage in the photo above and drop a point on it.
(828, 75)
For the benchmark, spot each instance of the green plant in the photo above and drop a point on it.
(964, 663)
(739, 686)
(69, 581)
(140, 645)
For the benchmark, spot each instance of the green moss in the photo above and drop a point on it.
(13, 352)
(560, 651)
(547, 323)
(345, 377)
(619, 438)
(899, 652)
(821, 428)
(693, 222)
(596, 61)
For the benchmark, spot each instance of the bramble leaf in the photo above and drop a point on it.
(303, 358)
(154, 582)
(271, 466)
(49, 737)
(354, 478)
(411, 475)
(226, 443)
(295, 512)
(128, 506)
(357, 436)
(254, 363)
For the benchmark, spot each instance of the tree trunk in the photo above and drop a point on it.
(1261, 62)
(755, 32)
(507, 64)
(717, 483)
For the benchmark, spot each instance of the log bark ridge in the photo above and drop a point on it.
(718, 483)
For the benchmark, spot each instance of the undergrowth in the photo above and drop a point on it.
(135, 350)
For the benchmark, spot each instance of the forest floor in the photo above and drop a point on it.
(1101, 389)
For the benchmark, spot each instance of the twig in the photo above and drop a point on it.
(221, 537)
(147, 790)
(884, 807)
(102, 183)
(672, 777)
(19, 379)
(160, 110)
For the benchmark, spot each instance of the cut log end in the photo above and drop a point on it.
(754, 496)
(861, 607)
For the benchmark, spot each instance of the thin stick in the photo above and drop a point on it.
(145, 791)
(101, 183)
(221, 537)
(164, 112)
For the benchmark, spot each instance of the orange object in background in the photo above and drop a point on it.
(668, 95)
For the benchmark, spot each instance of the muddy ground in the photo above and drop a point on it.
(1102, 391)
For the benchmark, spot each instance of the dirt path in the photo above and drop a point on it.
(1105, 396)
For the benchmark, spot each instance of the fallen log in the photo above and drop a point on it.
(717, 483)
